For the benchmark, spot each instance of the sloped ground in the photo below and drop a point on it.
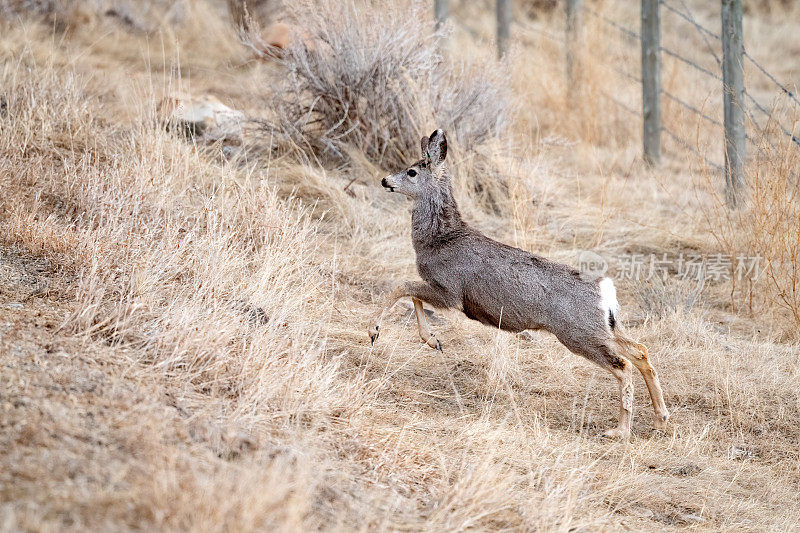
(184, 338)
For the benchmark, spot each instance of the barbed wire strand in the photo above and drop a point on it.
(760, 131)
(691, 63)
(638, 80)
(703, 31)
(691, 108)
(769, 116)
(621, 104)
(627, 31)
(545, 33)
(701, 114)
(677, 138)
(672, 135)
(757, 105)
(789, 93)
(631, 33)
(690, 19)
(687, 16)
(714, 121)
(667, 94)
(702, 34)
(692, 149)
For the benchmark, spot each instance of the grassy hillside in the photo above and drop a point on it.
(183, 325)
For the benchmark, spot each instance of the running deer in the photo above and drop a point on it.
(509, 288)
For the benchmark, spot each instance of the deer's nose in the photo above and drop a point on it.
(385, 183)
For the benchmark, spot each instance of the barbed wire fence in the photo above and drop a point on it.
(687, 16)
(750, 105)
(634, 35)
(740, 105)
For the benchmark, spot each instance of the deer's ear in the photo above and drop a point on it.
(424, 146)
(437, 147)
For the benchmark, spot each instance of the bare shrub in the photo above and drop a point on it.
(773, 223)
(373, 78)
(769, 229)
(660, 298)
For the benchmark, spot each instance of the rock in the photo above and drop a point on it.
(642, 512)
(685, 470)
(256, 315)
(16, 305)
(278, 35)
(741, 453)
(692, 517)
(202, 117)
(272, 42)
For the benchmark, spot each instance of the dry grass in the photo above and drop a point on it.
(184, 336)
(768, 229)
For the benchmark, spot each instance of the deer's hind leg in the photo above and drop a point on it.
(623, 371)
(637, 354)
(599, 352)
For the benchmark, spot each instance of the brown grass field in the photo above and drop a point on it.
(183, 332)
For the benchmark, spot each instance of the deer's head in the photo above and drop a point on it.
(424, 175)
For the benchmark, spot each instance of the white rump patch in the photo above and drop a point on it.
(608, 296)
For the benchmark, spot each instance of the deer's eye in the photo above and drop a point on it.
(411, 172)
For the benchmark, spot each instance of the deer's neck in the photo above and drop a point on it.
(435, 219)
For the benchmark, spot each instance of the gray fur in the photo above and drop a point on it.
(491, 282)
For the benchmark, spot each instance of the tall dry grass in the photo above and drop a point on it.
(766, 228)
(159, 246)
(225, 301)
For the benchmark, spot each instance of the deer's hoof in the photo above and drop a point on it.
(617, 433)
(433, 342)
(373, 334)
(661, 422)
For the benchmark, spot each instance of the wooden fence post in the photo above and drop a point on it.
(503, 11)
(574, 39)
(441, 10)
(651, 80)
(733, 86)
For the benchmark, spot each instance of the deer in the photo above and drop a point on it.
(509, 288)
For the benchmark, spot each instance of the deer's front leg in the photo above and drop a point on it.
(417, 290)
(422, 324)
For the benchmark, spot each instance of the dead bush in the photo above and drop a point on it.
(768, 228)
(372, 77)
(662, 297)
